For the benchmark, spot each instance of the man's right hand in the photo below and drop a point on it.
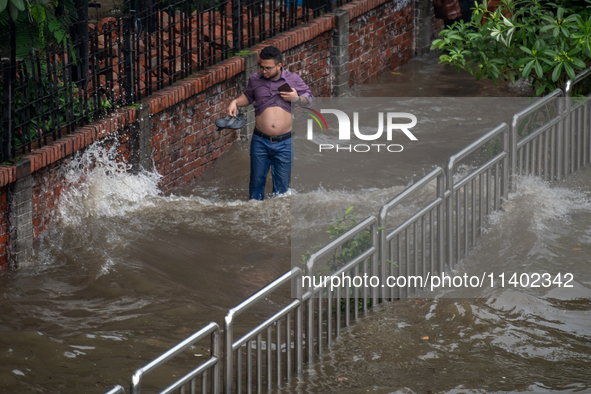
(232, 108)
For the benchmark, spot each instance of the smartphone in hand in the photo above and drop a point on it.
(285, 88)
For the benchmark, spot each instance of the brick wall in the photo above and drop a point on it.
(183, 139)
(48, 184)
(3, 229)
(436, 25)
(312, 63)
(380, 39)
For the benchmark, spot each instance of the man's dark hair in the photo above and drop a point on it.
(271, 52)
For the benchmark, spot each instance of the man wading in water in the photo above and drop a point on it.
(271, 144)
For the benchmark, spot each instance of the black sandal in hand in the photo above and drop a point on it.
(230, 122)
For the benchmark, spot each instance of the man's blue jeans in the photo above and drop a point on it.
(265, 154)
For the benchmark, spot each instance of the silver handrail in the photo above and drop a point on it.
(446, 190)
(213, 362)
(569, 110)
(515, 122)
(118, 389)
(437, 203)
(293, 276)
(370, 222)
(452, 187)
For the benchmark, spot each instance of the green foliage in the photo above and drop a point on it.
(350, 249)
(44, 98)
(545, 43)
(36, 23)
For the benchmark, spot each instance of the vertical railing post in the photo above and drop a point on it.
(450, 209)
(128, 56)
(79, 33)
(382, 247)
(4, 113)
(567, 134)
(228, 352)
(10, 88)
(216, 351)
(299, 332)
(513, 151)
(560, 138)
(440, 224)
(374, 263)
(507, 149)
(310, 311)
(146, 7)
(236, 30)
(328, 5)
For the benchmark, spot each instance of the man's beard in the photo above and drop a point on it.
(272, 76)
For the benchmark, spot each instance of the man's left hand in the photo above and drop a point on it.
(291, 96)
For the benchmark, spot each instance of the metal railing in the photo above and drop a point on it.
(213, 364)
(364, 263)
(492, 179)
(558, 143)
(395, 246)
(577, 122)
(118, 389)
(45, 93)
(234, 368)
(539, 152)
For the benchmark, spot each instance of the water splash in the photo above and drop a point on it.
(542, 202)
(99, 186)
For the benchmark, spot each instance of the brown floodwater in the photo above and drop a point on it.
(124, 272)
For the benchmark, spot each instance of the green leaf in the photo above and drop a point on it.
(539, 69)
(523, 61)
(59, 35)
(527, 69)
(526, 50)
(511, 76)
(551, 53)
(564, 31)
(53, 25)
(556, 73)
(579, 63)
(38, 14)
(19, 4)
(569, 71)
(546, 28)
(348, 210)
(3, 4)
(574, 51)
(13, 11)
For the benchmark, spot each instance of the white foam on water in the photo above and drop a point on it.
(98, 186)
(542, 201)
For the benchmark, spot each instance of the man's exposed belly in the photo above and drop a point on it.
(274, 121)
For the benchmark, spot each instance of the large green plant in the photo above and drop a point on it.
(544, 42)
(37, 24)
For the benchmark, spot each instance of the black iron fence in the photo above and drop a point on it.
(47, 92)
